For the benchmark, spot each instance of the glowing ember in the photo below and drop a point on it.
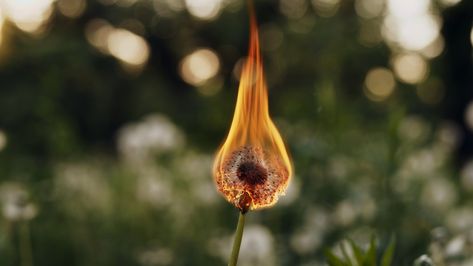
(252, 168)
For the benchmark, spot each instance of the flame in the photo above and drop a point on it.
(252, 168)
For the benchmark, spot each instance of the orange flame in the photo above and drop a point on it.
(252, 168)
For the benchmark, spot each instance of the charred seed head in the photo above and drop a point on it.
(252, 174)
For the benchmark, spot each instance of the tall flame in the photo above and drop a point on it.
(252, 168)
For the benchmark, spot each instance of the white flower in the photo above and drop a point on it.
(15, 201)
(155, 134)
(82, 185)
(153, 189)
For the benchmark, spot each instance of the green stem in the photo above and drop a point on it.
(237, 241)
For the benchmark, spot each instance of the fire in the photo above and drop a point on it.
(252, 168)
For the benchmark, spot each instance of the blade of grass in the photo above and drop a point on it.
(333, 260)
(348, 258)
(357, 251)
(387, 258)
(370, 257)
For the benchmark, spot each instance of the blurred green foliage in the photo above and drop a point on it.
(103, 163)
(353, 255)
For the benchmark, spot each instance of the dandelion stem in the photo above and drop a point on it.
(237, 241)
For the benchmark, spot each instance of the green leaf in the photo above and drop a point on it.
(333, 260)
(361, 257)
(387, 258)
(357, 251)
(370, 256)
(345, 253)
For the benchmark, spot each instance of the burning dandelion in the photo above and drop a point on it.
(252, 168)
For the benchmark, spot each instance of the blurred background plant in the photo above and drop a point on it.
(350, 254)
(112, 110)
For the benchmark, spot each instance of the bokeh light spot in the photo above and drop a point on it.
(369, 8)
(204, 9)
(97, 32)
(326, 8)
(410, 68)
(293, 8)
(71, 8)
(199, 66)
(410, 24)
(414, 33)
(379, 84)
(128, 47)
(434, 49)
(28, 15)
(407, 8)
